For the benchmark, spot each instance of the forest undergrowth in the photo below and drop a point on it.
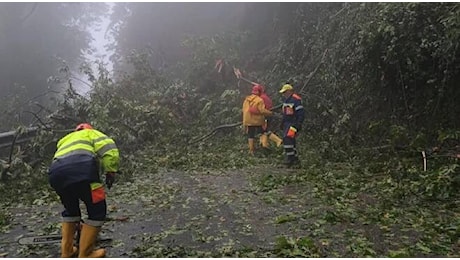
(352, 204)
(379, 146)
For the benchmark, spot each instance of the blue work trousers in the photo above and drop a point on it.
(289, 143)
(70, 198)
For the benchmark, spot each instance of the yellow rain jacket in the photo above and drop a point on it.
(250, 119)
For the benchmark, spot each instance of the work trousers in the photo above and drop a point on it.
(70, 198)
(289, 144)
(253, 131)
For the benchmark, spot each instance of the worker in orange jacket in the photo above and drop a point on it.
(293, 117)
(254, 113)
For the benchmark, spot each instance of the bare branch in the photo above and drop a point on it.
(214, 131)
(39, 119)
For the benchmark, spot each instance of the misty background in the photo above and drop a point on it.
(47, 46)
(390, 66)
(379, 146)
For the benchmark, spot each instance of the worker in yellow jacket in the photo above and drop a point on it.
(267, 127)
(74, 175)
(254, 113)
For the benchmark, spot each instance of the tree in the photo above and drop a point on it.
(36, 39)
(161, 28)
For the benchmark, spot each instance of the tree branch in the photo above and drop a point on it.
(310, 76)
(214, 131)
(39, 119)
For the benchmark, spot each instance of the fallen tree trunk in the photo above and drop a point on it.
(214, 131)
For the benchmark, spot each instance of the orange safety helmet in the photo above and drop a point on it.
(83, 126)
(257, 89)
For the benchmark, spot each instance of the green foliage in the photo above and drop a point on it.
(383, 63)
(4, 219)
(23, 179)
(403, 42)
(296, 247)
(270, 181)
(388, 79)
(447, 135)
(284, 219)
(377, 66)
(205, 51)
(439, 184)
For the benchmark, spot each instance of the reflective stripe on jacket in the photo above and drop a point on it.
(293, 111)
(90, 142)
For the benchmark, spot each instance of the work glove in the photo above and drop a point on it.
(291, 132)
(109, 179)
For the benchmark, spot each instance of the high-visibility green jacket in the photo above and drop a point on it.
(89, 142)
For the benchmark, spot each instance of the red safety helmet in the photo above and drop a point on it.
(83, 126)
(257, 89)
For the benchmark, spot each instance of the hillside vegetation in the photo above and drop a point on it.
(379, 82)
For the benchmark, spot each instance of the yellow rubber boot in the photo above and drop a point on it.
(264, 141)
(276, 139)
(252, 148)
(68, 231)
(87, 240)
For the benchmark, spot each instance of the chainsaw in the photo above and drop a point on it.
(49, 239)
(35, 240)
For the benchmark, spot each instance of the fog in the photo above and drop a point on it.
(39, 39)
(99, 47)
